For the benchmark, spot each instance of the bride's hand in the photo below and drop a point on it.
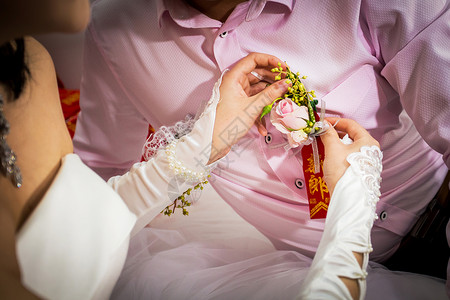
(336, 152)
(242, 98)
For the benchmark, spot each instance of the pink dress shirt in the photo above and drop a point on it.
(382, 63)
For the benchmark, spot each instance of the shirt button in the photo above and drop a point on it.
(383, 215)
(299, 183)
(223, 34)
(268, 138)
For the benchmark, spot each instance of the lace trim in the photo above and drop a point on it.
(367, 163)
(166, 135)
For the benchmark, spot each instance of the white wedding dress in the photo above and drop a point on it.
(74, 244)
(215, 254)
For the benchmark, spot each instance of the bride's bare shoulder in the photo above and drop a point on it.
(38, 133)
(37, 55)
(42, 79)
(41, 97)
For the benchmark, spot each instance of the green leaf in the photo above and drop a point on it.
(314, 102)
(266, 110)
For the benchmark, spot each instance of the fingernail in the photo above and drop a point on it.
(285, 83)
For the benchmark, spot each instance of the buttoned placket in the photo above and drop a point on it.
(287, 162)
(299, 183)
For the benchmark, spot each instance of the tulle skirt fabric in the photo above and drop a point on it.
(214, 254)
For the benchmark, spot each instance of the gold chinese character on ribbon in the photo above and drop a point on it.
(317, 184)
(310, 168)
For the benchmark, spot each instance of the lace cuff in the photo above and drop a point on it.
(367, 165)
(166, 135)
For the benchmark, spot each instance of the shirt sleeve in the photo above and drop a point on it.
(110, 130)
(412, 42)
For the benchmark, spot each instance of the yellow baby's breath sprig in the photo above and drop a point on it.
(297, 93)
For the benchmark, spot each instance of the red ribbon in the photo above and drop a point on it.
(317, 190)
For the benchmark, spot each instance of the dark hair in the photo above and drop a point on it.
(14, 71)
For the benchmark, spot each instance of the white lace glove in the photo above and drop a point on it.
(151, 186)
(347, 229)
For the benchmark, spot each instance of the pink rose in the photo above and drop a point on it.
(289, 118)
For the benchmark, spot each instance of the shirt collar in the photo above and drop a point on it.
(257, 6)
(186, 16)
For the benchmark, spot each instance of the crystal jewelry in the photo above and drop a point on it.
(8, 166)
